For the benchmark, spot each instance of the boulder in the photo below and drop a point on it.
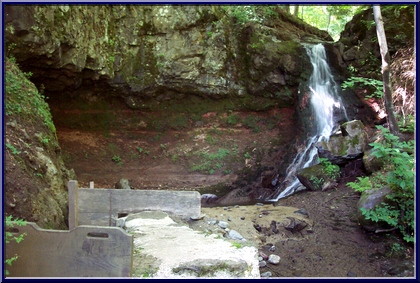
(371, 162)
(369, 200)
(314, 178)
(348, 143)
(123, 185)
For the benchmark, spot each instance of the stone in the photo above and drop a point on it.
(212, 268)
(368, 200)
(371, 162)
(223, 224)
(302, 211)
(208, 198)
(350, 144)
(234, 235)
(262, 263)
(266, 274)
(123, 184)
(274, 259)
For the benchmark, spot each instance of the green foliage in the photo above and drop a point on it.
(331, 18)
(396, 250)
(117, 159)
(233, 119)
(242, 14)
(252, 123)
(13, 149)
(237, 245)
(9, 224)
(357, 82)
(23, 99)
(398, 174)
(361, 185)
(330, 170)
(211, 161)
(406, 124)
(211, 139)
(317, 182)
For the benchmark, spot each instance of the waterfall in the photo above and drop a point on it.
(325, 103)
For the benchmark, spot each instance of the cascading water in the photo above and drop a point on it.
(325, 102)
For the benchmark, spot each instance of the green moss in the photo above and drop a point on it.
(24, 101)
(288, 47)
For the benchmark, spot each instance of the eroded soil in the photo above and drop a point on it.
(210, 155)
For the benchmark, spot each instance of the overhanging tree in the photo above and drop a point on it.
(386, 58)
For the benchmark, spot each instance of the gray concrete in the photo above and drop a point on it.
(85, 251)
(181, 252)
(102, 207)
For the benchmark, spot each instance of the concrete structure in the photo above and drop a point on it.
(102, 207)
(85, 251)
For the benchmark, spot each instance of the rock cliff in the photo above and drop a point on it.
(160, 52)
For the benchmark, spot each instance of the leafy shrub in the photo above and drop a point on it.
(398, 174)
(10, 223)
(356, 82)
(330, 170)
(233, 119)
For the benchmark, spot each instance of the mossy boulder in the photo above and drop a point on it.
(348, 143)
(369, 200)
(315, 178)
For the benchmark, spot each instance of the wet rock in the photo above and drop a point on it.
(274, 259)
(351, 144)
(262, 263)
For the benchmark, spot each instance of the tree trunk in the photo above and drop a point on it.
(386, 58)
(296, 10)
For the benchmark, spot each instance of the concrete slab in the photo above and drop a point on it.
(177, 251)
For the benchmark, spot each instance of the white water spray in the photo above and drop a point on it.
(324, 100)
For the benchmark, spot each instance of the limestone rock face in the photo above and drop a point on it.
(158, 52)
